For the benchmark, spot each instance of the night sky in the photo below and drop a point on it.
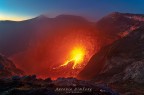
(91, 9)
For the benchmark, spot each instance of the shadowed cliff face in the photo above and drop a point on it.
(8, 69)
(113, 27)
(120, 61)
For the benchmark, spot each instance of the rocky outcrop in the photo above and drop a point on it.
(135, 72)
(8, 69)
(29, 85)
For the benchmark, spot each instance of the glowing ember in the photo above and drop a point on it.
(76, 56)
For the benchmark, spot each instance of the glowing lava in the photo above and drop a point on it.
(77, 56)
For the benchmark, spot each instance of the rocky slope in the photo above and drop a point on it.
(123, 60)
(117, 25)
(8, 69)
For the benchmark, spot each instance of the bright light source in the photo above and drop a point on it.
(77, 56)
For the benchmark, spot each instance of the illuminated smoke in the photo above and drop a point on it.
(48, 56)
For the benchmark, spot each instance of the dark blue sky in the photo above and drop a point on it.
(92, 9)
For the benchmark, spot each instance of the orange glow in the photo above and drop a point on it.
(77, 56)
(63, 53)
(12, 17)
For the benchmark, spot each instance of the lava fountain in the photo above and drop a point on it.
(76, 56)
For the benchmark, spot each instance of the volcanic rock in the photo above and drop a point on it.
(121, 61)
(8, 69)
(61, 86)
(117, 25)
